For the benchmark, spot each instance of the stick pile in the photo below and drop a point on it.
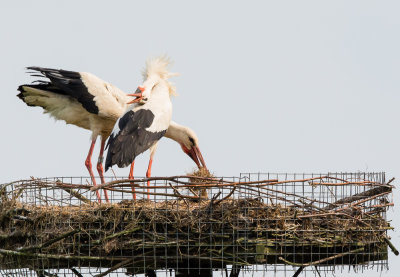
(264, 225)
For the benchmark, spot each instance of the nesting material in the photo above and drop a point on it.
(246, 231)
(176, 233)
(204, 176)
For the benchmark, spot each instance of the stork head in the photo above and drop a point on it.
(193, 151)
(155, 78)
(189, 142)
(140, 98)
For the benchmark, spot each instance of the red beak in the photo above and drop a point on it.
(196, 156)
(138, 94)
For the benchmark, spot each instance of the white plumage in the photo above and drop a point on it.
(142, 126)
(84, 100)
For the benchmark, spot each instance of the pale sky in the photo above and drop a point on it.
(268, 86)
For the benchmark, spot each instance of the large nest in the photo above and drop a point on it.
(182, 232)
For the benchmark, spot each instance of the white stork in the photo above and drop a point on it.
(142, 126)
(86, 101)
(189, 143)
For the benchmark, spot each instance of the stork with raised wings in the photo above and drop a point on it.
(81, 99)
(142, 126)
(84, 100)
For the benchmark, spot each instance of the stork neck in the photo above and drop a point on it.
(175, 131)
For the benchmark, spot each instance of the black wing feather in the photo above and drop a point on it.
(132, 139)
(67, 83)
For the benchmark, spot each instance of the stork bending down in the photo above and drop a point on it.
(188, 141)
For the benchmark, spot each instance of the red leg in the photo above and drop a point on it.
(148, 175)
(131, 178)
(88, 164)
(100, 169)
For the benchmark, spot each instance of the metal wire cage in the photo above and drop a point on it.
(280, 224)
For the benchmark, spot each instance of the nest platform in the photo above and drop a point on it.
(296, 221)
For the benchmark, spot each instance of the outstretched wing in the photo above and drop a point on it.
(68, 83)
(130, 138)
(94, 94)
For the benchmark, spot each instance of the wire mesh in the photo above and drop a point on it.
(280, 224)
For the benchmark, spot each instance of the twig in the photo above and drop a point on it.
(336, 214)
(391, 246)
(77, 273)
(363, 201)
(210, 206)
(391, 180)
(12, 212)
(192, 191)
(273, 196)
(293, 194)
(57, 257)
(77, 195)
(178, 194)
(361, 183)
(143, 180)
(235, 271)
(24, 218)
(212, 182)
(316, 269)
(359, 196)
(310, 205)
(49, 242)
(115, 267)
(122, 233)
(323, 260)
(157, 194)
(297, 273)
(380, 205)
(295, 181)
(226, 197)
(18, 194)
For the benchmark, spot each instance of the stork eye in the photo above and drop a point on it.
(191, 140)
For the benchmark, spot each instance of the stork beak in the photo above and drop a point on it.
(138, 94)
(196, 156)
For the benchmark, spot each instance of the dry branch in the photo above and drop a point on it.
(391, 246)
(55, 257)
(49, 242)
(360, 196)
(325, 259)
(115, 267)
(77, 195)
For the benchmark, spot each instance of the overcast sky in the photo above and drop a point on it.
(268, 86)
